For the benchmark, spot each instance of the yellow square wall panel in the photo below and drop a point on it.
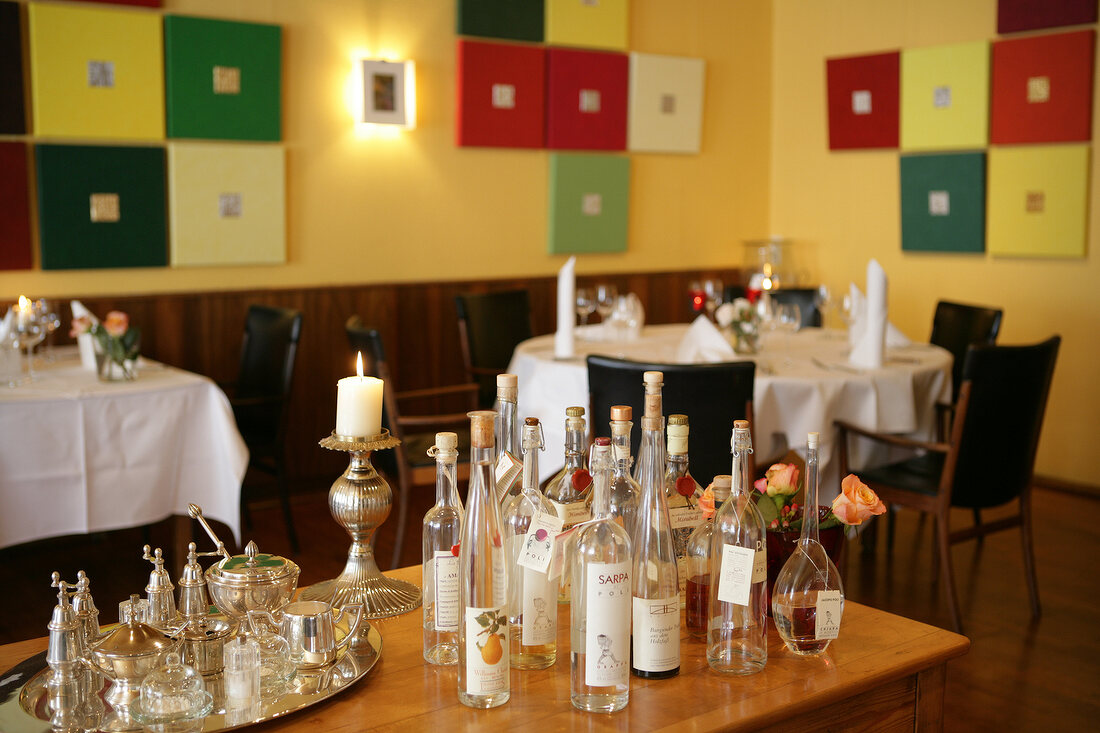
(587, 23)
(96, 73)
(1038, 201)
(226, 204)
(945, 97)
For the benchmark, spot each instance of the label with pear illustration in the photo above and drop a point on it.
(486, 650)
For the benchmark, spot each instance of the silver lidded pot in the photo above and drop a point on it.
(253, 581)
(128, 654)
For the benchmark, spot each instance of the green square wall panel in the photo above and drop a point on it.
(943, 203)
(518, 19)
(101, 206)
(222, 79)
(589, 203)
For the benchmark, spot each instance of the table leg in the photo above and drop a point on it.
(929, 709)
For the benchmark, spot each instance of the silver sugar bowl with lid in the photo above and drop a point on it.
(128, 653)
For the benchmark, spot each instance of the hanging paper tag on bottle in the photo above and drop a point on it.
(538, 547)
(735, 579)
(830, 605)
(506, 473)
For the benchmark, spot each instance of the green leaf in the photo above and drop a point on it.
(482, 619)
(767, 509)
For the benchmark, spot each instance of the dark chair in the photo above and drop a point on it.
(733, 292)
(409, 461)
(490, 326)
(956, 326)
(805, 299)
(988, 460)
(711, 395)
(261, 395)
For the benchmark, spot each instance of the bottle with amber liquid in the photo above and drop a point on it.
(682, 492)
(568, 491)
(483, 580)
(698, 569)
(532, 596)
(599, 654)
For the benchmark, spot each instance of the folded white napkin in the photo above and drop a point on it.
(895, 339)
(5, 325)
(567, 308)
(703, 342)
(85, 341)
(868, 335)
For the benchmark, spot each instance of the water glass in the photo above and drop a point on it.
(586, 304)
(605, 299)
(11, 363)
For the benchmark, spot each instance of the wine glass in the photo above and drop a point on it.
(586, 304)
(50, 321)
(712, 289)
(605, 300)
(789, 320)
(823, 300)
(28, 332)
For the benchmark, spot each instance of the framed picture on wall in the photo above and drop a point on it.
(384, 98)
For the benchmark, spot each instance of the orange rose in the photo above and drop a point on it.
(857, 501)
(706, 502)
(117, 323)
(780, 480)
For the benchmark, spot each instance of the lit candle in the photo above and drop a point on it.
(359, 404)
(23, 315)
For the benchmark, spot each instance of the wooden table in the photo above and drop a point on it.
(884, 672)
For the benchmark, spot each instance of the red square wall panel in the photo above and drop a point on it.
(1026, 15)
(587, 100)
(863, 101)
(1042, 89)
(15, 227)
(501, 94)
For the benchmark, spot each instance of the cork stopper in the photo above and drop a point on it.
(531, 421)
(742, 438)
(657, 378)
(812, 440)
(653, 382)
(506, 387)
(740, 424)
(574, 412)
(603, 441)
(677, 420)
(722, 486)
(481, 428)
(446, 441)
(622, 413)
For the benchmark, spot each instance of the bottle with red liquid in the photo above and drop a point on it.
(699, 561)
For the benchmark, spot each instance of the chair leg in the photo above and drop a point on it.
(946, 573)
(1029, 553)
(978, 523)
(402, 518)
(284, 499)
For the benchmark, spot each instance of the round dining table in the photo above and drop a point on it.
(803, 383)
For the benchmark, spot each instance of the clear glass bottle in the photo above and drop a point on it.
(682, 492)
(483, 580)
(698, 567)
(655, 641)
(532, 597)
(808, 598)
(568, 490)
(599, 678)
(442, 530)
(737, 636)
(625, 491)
(509, 467)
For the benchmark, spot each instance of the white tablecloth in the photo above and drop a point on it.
(79, 455)
(798, 389)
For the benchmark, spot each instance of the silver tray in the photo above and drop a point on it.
(24, 706)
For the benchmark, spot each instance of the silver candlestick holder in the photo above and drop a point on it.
(360, 500)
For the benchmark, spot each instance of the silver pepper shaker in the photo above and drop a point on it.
(159, 592)
(66, 644)
(87, 615)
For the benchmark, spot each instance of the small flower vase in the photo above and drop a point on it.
(109, 370)
(745, 338)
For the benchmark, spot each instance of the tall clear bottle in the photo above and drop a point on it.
(625, 491)
(509, 467)
(699, 559)
(599, 640)
(655, 647)
(532, 597)
(442, 530)
(682, 492)
(737, 640)
(483, 580)
(568, 490)
(808, 598)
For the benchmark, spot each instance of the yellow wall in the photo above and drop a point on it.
(413, 206)
(842, 208)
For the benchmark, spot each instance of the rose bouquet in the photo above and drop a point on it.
(117, 344)
(779, 486)
(741, 324)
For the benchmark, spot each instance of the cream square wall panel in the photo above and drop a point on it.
(666, 104)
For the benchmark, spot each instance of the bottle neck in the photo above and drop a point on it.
(742, 480)
(676, 465)
(601, 484)
(574, 446)
(531, 470)
(507, 431)
(620, 447)
(446, 479)
(651, 457)
(810, 523)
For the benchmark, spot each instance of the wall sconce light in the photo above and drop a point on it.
(389, 93)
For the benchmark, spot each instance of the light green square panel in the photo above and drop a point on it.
(589, 203)
(945, 97)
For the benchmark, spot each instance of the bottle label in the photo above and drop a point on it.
(607, 633)
(572, 513)
(760, 563)
(830, 605)
(486, 650)
(445, 581)
(507, 474)
(656, 634)
(540, 608)
(677, 444)
(735, 580)
(538, 543)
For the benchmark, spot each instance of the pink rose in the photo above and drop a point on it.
(80, 324)
(117, 323)
(857, 501)
(780, 480)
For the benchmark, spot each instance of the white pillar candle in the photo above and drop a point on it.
(359, 404)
